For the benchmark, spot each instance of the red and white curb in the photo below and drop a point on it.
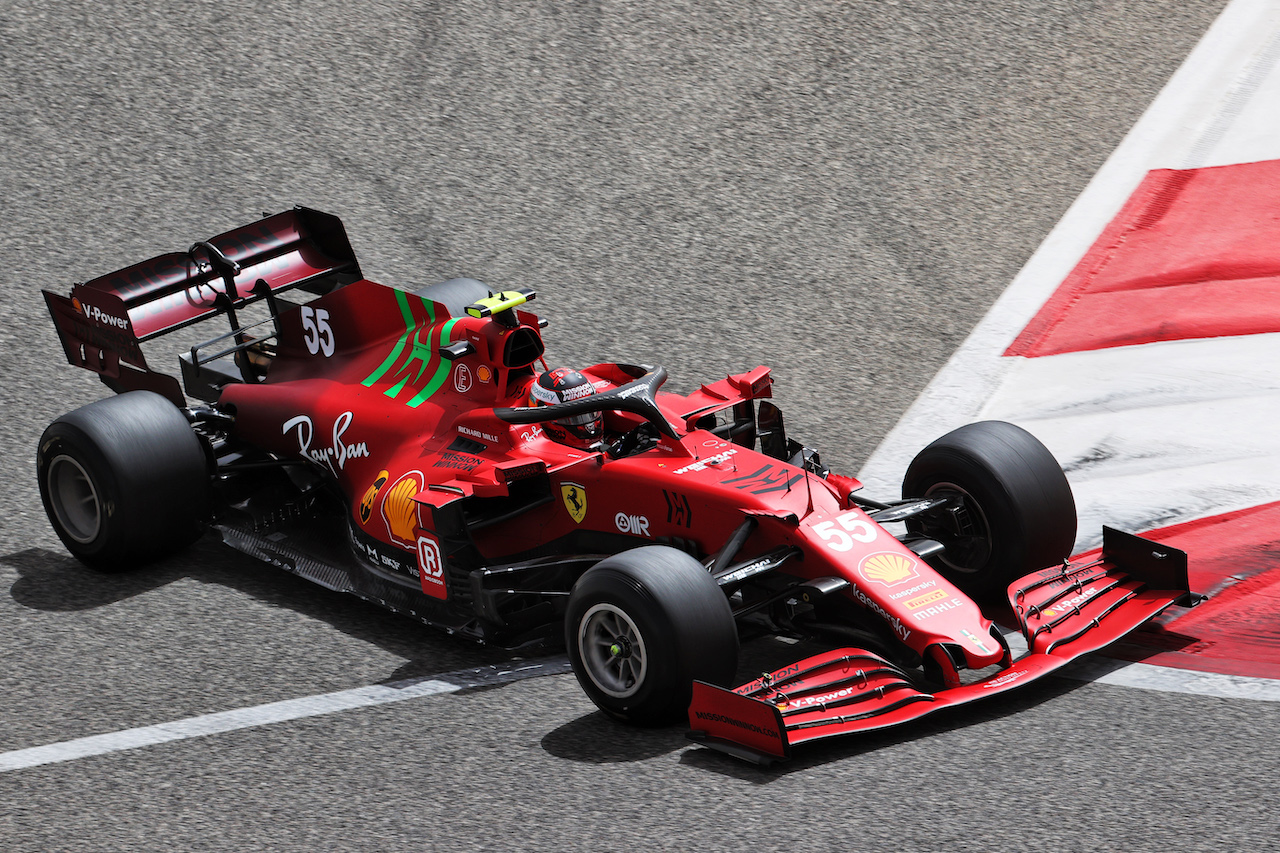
(1140, 343)
(1102, 670)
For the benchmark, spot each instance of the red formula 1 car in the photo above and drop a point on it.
(414, 448)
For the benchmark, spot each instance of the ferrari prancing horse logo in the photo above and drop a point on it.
(575, 501)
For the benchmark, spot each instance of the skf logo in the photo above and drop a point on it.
(575, 501)
(888, 568)
(636, 524)
(366, 502)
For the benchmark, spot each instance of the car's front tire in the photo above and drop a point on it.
(1017, 513)
(124, 480)
(641, 626)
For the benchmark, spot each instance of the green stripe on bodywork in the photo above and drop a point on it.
(407, 313)
(421, 352)
(397, 388)
(442, 372)
(424, 352)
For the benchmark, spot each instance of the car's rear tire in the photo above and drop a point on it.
(124, 480)
(1018, 511)
(642, 626)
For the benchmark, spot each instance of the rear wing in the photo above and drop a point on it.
(102, 322)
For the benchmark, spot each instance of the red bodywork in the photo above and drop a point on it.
(1064, 612)
(385, 405)
(412, 413)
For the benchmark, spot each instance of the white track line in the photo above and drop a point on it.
(1089, 669)
(276, 712)
(1155, 434)
(1250, 132)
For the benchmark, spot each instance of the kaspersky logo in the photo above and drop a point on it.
(97, 315)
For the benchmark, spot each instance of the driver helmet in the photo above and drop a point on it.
(564, 385)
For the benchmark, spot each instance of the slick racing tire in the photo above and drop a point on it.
(124, 480)
(1017, 512)
(642, 626)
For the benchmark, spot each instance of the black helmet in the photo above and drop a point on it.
(564, 385)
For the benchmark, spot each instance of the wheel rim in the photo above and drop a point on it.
(969, 552)
(612, 650)
(75, 499)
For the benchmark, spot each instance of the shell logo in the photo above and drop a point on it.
(399, 510)
(888, 568)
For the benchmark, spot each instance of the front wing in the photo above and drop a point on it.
(1062, 612)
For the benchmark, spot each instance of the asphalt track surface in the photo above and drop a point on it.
(838, 191)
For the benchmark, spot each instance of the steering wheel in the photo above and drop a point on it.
(644, 436)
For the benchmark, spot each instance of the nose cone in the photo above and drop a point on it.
(921, 606)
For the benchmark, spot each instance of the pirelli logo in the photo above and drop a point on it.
(927, 598)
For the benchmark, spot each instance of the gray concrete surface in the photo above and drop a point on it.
(838, 190)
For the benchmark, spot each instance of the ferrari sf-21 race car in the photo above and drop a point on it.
(415, 448)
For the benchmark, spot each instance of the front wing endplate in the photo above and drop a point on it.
(1063, 613)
